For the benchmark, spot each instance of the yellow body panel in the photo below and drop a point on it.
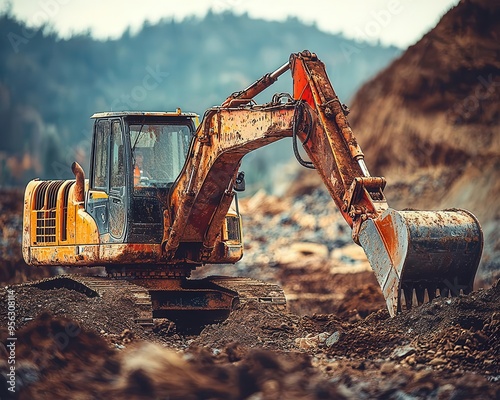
(54, 224)
(98, 194)
(58, 231)
(96, 254)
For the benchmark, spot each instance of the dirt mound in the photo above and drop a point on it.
(441, 96)
(430, 122)
(109, 315)
(57, 359)
(446, 349)
(449, 333)
(256, 325)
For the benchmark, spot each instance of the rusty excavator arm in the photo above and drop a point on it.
(415, 253)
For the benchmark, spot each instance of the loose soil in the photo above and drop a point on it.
(335, 340)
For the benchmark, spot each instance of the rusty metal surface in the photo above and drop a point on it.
(246, 95)
(418, 254)
(96, 254)
(224, 137)
(79, 192)
(227, 134)
(333, 147)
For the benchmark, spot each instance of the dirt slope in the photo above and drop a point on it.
(437, 105)
(430, 122)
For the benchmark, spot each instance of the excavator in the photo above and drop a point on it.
(161, 201)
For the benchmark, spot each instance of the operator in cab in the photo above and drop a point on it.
(141, 176)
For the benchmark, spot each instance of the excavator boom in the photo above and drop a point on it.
(414, 253)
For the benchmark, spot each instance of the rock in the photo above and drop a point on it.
(311, 341)
(334, 338)
(437, 361)
(410, 360)
(402, 351)
(446, 391)
(307, 248)
(423, 375)
(387, 368)
(322, 337)
(216, 352)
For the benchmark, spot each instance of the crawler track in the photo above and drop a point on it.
(93, 286)
(239, 291)
(248, 289)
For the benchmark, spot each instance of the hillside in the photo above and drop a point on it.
(441, 96)
(49, 87)
(430, 121)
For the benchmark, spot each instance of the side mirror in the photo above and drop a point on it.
(239, 184)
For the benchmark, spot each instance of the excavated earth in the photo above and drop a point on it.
(335, 340)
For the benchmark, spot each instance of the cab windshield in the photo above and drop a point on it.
(158, 152)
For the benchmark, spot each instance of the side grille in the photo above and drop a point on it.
(64, 221)
(45, 208)
(233, 229)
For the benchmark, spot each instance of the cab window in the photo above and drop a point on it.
(101, 148)
(117, 166)
(158, 152)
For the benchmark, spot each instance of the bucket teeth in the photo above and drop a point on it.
(431, 292)
(408, 291)
(444, 291)
(420, 292)
(423, 292)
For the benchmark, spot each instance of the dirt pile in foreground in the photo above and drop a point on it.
(446, 349)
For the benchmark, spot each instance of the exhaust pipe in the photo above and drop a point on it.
(79, 192)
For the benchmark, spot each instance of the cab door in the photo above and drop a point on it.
(97, 196)
(117, 203)
(107, 198)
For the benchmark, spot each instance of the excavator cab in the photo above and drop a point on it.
(118, 216)
(135, 160)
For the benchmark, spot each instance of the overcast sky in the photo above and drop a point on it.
(397, 22)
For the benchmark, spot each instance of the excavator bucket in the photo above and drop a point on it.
(420, 254)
